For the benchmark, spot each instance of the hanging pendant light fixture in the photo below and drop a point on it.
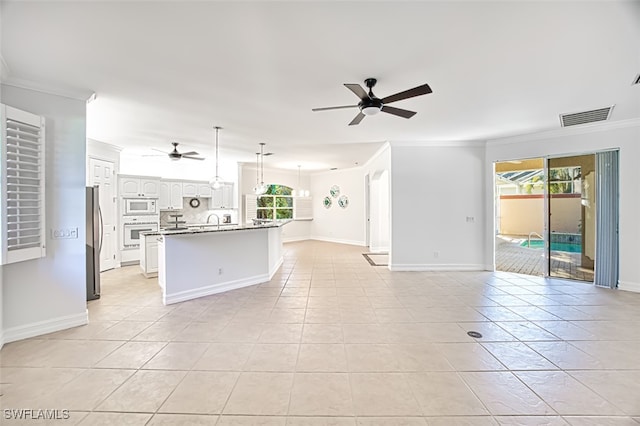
(256, 189)
(300, 192)
(260, 187)
(216, 183)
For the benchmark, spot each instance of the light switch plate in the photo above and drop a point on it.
(64, 233)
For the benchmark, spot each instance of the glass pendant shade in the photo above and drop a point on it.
(215, 183)
(260, 188)
(300, 192)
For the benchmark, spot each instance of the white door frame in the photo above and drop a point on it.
(109, 210)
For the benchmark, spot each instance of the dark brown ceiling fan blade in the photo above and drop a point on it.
(336, 107)
(189, 153)
(404, 113)
(358, 90)
(416, 91)
(357, 119)
(192, 158)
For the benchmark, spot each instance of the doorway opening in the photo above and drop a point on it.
(546, 216)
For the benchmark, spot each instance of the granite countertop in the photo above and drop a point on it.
(206, 228)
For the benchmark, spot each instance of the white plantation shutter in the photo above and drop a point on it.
(303, 208)
(250, 208)
(22, 186)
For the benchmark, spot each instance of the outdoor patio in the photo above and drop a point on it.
(511, 257)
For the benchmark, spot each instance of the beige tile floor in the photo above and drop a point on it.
(332, 340)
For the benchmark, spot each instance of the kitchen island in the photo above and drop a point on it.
(197, 262)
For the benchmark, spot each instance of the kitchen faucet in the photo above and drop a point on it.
(217, 217)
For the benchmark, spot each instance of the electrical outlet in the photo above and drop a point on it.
(436, 254)
(64, 234)
(219, 271)
(471, 219)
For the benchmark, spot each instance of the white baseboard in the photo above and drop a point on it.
(379, 249)
(294, 239)
(435, 268)
(629, 286)
(339, 241)
(208, 290)
(277, 266)
(44, 327)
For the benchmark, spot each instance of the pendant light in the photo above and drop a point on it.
(215, 183)
(260, 187)
(300, 192)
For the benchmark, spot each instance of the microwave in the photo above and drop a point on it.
(140, 206)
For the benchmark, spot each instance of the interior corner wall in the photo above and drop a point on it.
(293, 231)
(48, 294)
(437, 207)
(337, 224)
(624, 136)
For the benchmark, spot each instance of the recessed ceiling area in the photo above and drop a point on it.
(170, 71)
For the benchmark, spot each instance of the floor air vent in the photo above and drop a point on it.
(585, 117)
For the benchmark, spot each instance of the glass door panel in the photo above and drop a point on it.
(571, 221)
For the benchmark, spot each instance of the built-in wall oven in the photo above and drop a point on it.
(133, 206)
(133, 226)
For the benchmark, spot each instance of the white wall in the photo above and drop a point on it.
(337, 224)
(293, 231)
(377, 168)
(161, 165)
(572, 141)
(434, 189)
(49, 294)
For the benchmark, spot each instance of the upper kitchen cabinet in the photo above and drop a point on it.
(170, 195)
(223, 197)
(139, 186)
(196, 189)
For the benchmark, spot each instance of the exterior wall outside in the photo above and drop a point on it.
(525, 214)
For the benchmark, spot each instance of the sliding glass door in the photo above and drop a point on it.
(571, 209)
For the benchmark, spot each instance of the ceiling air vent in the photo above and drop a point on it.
(585, 117)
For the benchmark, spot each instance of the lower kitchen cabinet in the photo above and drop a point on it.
(149, 254)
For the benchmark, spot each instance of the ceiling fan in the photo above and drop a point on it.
(175, 155)
(370, 104)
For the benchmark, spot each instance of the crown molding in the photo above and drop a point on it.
(66, 92)
(566, 131)
(404, 144)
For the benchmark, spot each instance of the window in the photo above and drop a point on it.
(276, 203)
(22, 186)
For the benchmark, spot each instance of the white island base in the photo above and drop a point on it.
(197, 264)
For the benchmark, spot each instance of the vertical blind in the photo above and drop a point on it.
(606, 270)
(23, 189)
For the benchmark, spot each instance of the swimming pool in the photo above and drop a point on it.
(568, 247)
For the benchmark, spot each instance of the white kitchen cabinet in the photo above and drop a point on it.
(170, 195)
(223, 197)
(149, 255)
(139, 186)
(196, 189)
